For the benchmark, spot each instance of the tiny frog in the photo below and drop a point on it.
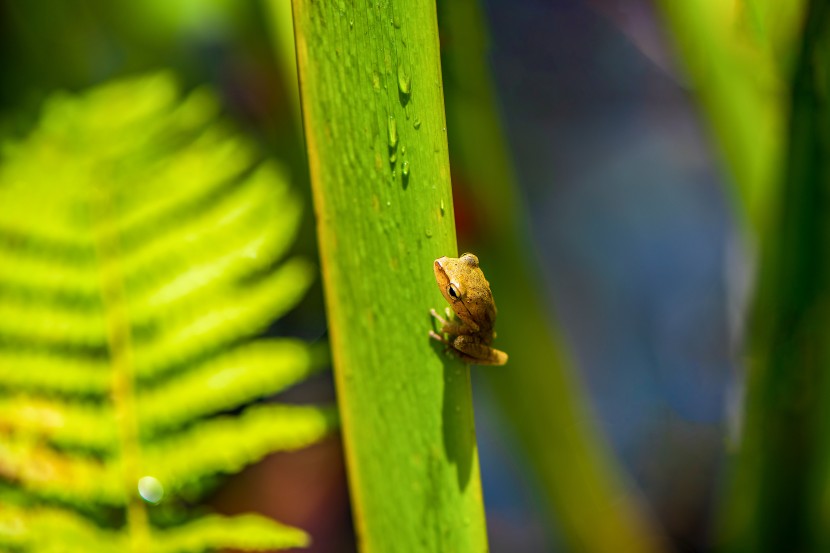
(467, 291)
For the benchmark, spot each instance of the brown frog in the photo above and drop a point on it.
(463, 285)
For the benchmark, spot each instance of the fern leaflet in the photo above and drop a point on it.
(141, 258)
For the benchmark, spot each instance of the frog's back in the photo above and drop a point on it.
(487, 307)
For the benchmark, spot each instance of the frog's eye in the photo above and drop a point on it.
(453, 292)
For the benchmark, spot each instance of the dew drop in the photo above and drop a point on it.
(392, 132)
(404, 81)
(150, 489)
(442, 207)
(417, 122)
(405, 169)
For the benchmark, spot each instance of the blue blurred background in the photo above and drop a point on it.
(644, 266)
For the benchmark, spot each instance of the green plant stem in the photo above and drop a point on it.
(778, 497)
(370, 83)
(735, 57)
(538, 391)
(121, 359)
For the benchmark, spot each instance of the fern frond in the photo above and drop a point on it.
(238, 376)
(246, 532)
(188, 331)
(30, 274)
(24, 369)
(233, 240)
(226, 444)
(49, 530)
(230, 229)
(47, 473)
(141, 256)
(23, 320)
(66, 424)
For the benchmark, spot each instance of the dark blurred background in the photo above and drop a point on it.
(630, 222)
(633, 229)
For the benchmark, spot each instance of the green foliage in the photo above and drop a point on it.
(760, 70)
(738, 57)
(777, 499)
(140, 257)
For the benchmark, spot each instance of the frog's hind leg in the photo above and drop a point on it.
(478, 352)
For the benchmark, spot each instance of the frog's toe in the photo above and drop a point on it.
(437, 316)
(435, 336)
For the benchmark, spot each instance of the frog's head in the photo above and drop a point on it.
(462, 284)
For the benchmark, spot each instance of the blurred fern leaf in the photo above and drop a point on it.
(141, 246)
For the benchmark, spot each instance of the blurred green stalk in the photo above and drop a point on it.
(737, 56)
(281, 26)
(538, 391)
(370, 84)
(779, 499)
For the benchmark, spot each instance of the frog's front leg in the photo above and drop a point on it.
(450, 326)
(472, 350)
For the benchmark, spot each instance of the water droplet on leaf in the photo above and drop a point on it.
(392, 132)
(150, 489)
(404, 81)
